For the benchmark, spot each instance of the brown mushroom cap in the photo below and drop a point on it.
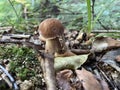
(51, 28)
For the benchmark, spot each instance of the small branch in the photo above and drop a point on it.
(80, 51)
(11, 41)
(105, 76)
(106, 31)
(6, 28)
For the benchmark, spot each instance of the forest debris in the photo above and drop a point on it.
(117, 58)
(64, 80)
(106, 31)
(87, 43)
(19, 36)
(80, 36)
(110, 57)
(101, 80)
(104, 84)
(107, 78)
(117, 68)
(15, 36)
(26, 85)
(7, 29)
(84, 80)
(88, 80)
(80, 51)
(4, 76)
(66, 54)
(116, 78)
(104, 43)
(84, 36)
(71, 62)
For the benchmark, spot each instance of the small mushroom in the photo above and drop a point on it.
(51, 29)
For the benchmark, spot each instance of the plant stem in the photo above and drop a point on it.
(89, 15)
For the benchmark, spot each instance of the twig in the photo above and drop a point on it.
(12, 41)
(106, 31)
(22, 42)
(80, 51)
(105, 76)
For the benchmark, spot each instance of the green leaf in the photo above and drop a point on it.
(72, 62)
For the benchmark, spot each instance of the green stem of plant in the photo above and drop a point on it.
(89, 15)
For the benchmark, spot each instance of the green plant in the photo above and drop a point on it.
(89, 15)
(22, 59)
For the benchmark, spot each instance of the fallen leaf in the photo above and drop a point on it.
(88, 80)
(104, 43)
(110, 57)
(71, 62)
(64, 78)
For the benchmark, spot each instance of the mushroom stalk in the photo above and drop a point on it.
(47, 64)
(53, 45)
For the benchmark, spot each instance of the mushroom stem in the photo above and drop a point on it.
(49, 72)
(53, 45)
(65, 52)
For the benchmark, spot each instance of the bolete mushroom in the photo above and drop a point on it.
(51, 29)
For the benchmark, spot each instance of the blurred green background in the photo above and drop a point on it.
(23, 15)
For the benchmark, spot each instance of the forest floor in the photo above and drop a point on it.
(100, 71)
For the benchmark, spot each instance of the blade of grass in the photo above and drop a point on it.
(89, 15)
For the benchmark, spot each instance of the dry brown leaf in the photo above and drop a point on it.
(88, 80)
(104, 43)
(64, 80)
(88, 36)
(79, 37)
(104, 84)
